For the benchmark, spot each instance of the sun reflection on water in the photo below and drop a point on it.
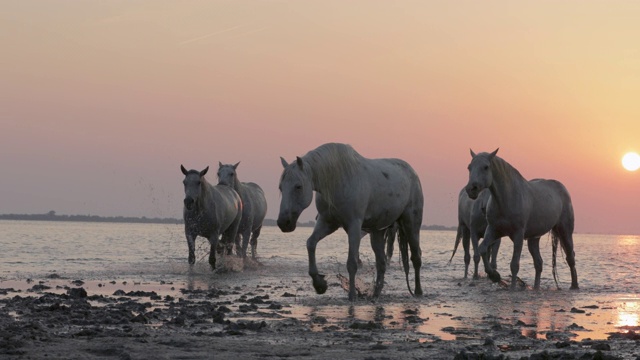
(628, 240)
(628, 315)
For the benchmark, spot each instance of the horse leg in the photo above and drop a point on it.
(321, 229)
(566, 241)
(254, 242)
(246, 234)
(493, 257)
(534, 248)
(213, 240)
(518, 243)
(467, 235)
(378, 245)
(191, 243)
(354, 233)
(489, 238)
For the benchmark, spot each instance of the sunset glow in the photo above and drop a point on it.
(103, 100)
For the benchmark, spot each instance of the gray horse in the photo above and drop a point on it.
(356, 194)
(472, 223)
(209, 211)
(254, 206)
(522, 209)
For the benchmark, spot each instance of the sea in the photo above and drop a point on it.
(607, 265)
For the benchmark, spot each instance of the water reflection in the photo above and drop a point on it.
(628, 240)
(628, 314)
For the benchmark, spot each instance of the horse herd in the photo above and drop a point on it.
(379, 197)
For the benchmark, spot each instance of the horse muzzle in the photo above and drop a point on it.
(189, 203)
(472, 191)
(287, 223)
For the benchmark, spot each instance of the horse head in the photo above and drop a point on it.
(480, 176)
(193, 183)
(227, 174)
(296, 188)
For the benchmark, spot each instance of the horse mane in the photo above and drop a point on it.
(504, 169)
(332, 166)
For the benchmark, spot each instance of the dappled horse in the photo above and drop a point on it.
(356, 194)
(209, 211)
(472, 223)
(254, 206)
(522, 209)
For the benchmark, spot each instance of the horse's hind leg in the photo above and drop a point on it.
(321, 229)
(534, 248)
(254, 241)
(566, 240)
(377, 244)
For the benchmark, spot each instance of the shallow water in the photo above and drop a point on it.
(153, 256)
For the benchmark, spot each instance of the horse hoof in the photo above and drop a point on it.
(320, 284)
(495, 276)
(574, 287)
(418, 293)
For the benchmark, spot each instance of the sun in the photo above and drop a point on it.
(631, 161)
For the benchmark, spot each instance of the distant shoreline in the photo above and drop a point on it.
(52, 216)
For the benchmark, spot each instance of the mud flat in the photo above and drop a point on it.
(269, 310)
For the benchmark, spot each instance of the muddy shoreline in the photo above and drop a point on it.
(265, 312)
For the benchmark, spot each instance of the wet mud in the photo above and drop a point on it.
(265, 312)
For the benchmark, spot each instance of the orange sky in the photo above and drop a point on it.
(101, 101)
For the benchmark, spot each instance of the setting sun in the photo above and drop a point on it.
(631, 161)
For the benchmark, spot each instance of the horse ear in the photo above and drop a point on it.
(299, 161)
(203, 172)
(284, 162)
(493, 154)
(236, 165)
(472, 153)
(219, 164)
(184, 171)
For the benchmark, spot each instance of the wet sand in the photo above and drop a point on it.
(269, 310)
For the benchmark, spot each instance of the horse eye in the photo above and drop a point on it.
(298, 187)
(486, 167)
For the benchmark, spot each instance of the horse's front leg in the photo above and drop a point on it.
(320, 230)
(246, 235)
(213, 240)
(378, 244)
(191, 243)
(489, 238)
(494, 253)
(518, 243)
(354, 233)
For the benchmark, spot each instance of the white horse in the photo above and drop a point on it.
(472, 224)
(356, 194)
(254, 206)
(522, 209)
(209, 211)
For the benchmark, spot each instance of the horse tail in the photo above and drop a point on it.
(458, 238)
(403, 244)
(554, 249)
